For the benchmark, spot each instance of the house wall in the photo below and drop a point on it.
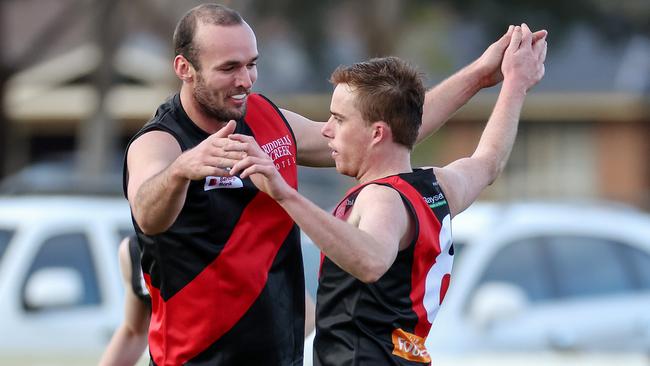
(562, 160)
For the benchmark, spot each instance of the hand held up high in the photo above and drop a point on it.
(489, 64)
(523, 61)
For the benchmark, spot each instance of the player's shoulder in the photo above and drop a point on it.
(154, 140)
(377, 194)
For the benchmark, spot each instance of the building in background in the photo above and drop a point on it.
(584, 132)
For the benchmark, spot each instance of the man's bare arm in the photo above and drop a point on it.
(311, 144)
(365, 245)
(130, 339)
(159, 174)
(155, 189)
(445, 99)
(523, 66)
(440, 103)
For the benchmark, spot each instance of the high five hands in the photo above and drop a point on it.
(490, 61)
(523, 60)
(517, 57)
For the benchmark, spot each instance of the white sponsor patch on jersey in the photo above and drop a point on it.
(222, 182)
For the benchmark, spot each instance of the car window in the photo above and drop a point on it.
(587, 266)
(5, 236)
(69, 251)
(639, 263)
(522, 263)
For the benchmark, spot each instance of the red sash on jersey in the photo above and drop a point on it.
(427, 244)
(240, 272)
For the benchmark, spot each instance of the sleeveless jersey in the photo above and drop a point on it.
(226, 279)
(387, 322)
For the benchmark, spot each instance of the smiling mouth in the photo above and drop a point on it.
(239, 96)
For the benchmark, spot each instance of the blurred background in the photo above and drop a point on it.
(79, 77)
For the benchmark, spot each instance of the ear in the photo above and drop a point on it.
(184, 69)
(381, 132)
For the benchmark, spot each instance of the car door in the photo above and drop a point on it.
(77, 325)
(522, 266)
(603, 288)
(583, 293)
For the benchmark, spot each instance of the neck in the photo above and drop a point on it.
(385, 162)
(196, 114)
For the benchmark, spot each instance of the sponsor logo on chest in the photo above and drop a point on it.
(280, 151)
(222, 182)
(435, 200)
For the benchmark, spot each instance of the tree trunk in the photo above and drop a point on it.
(96, 137)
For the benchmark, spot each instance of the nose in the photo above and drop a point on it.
(327, 129)
(244, 78)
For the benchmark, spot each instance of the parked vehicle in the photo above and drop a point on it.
(61, 294)
(535, 277)
(541, 284)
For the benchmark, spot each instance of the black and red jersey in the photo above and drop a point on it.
(387, 322)
(226, 279)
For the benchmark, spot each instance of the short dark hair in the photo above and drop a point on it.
(186, 28)
(387, 89)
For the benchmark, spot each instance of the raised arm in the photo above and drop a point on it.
(365, 245)
(445, 99)
(159, 174)
(440, 103)
(523, 66)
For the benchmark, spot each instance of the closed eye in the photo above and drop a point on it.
(337, 117)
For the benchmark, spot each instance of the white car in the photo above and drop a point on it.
(554, 281)
(545, 284)
(61, 294)
(547, 277)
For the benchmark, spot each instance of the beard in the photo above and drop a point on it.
(212, 105)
